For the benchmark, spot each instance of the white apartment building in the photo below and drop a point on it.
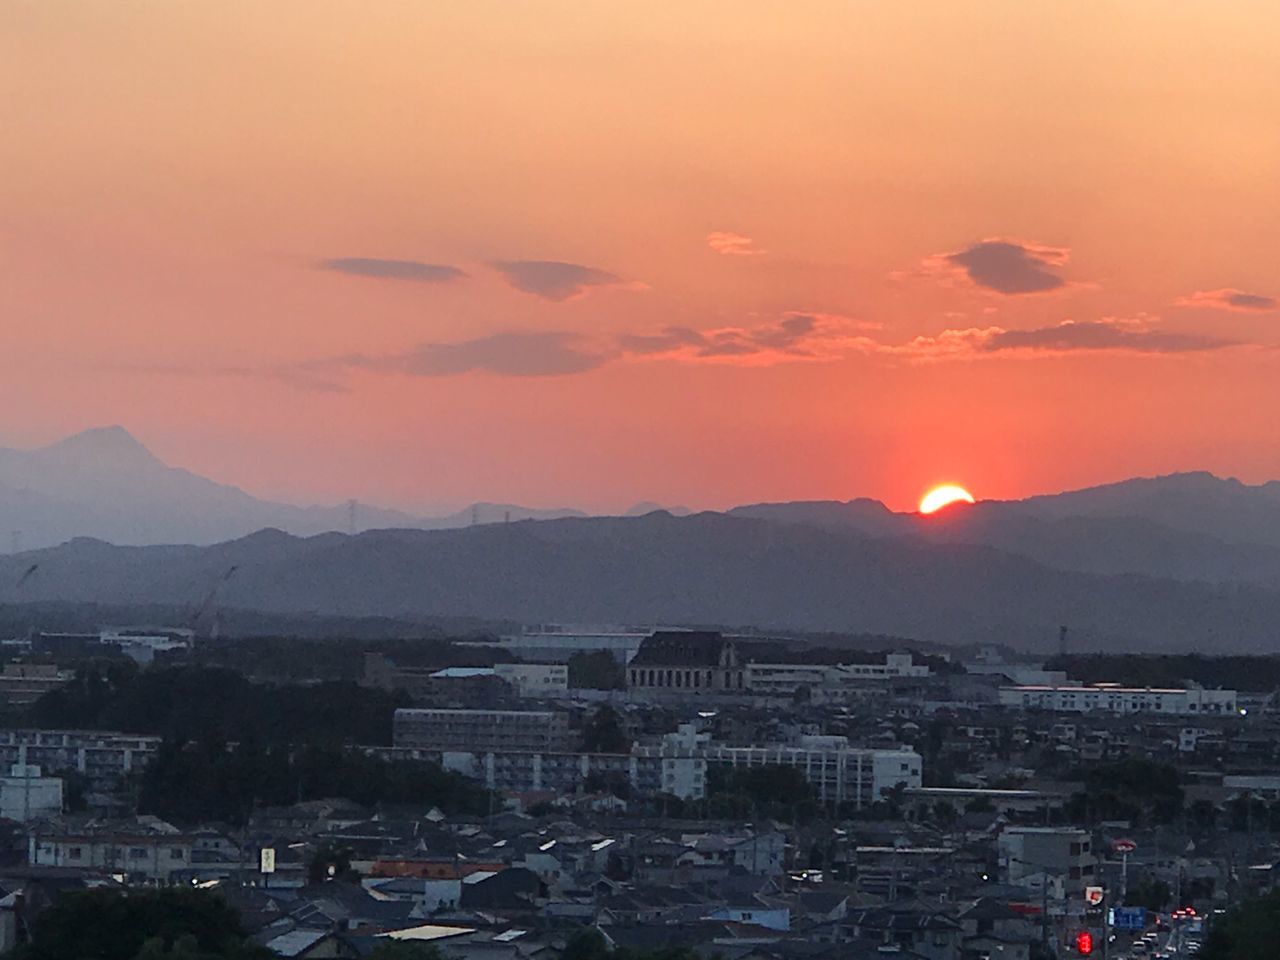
(838, 772)
(1113, 698)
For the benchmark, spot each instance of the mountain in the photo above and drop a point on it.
(103, 483)
(1198, 502)
(702, 569)
(1118, 544)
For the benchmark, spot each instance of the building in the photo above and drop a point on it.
(482, 731)
(105, 757)
(691, 662)
(163, 857)
(838, 772)
(25, 794)
(828, 681)
(1063, 853)
(1113, 698)
(556, 642)
(535, 679)
(22, 684)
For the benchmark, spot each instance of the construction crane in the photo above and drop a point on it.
(193, 621)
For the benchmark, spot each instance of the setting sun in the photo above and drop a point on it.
(942, 496)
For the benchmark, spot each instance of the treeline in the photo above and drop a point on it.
(209, 780)
(295, 660)
(214, 703)
(1250, 674)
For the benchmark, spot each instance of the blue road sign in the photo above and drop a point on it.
(1129, 918)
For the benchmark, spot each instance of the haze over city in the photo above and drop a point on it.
(590, 254)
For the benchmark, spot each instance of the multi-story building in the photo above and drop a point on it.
(25, 794)
(1113, 698)
(692, 663)
(786, 679)
(534, 679)
(838, 772)
(22, 684)
(1063, 853)
(557, 642)
(482, 731)
(104, 757)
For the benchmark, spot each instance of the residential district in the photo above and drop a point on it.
(526, 797)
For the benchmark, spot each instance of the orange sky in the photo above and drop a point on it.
(592, 253)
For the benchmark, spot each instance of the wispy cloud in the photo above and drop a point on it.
(1008, 267)
(794, 336)
(508, 354)
(733, 244)
(1139, 336)
(1229, 298)
(379, 269)
(554, 280)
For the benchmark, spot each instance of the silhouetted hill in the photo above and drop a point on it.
(1088, 544)
(707, 568)
(1198, 502)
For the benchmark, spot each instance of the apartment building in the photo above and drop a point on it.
(105, 757)
(26, 794)
(1113, 698)
(482, 731)
(22, 684)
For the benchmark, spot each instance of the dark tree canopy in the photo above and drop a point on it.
(115, 925)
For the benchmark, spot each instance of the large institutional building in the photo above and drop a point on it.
(1113, 698)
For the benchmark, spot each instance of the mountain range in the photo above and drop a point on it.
(1188, 561)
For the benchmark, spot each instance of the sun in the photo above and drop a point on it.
(942, 496)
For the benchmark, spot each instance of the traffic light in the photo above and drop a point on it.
(1084, 943)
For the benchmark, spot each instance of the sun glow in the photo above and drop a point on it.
(942, 496)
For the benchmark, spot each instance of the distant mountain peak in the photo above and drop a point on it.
(110, 445)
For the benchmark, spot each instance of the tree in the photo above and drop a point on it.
(404, 950)
(124, 925)
(595, 670)
(1150, 893)
(330, 862)
(604, 734)
(1247, 932)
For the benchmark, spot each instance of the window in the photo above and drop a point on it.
(137, 853)
(177, 854)
(73, 853)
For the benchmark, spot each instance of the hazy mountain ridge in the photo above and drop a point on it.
(104, 483)
(707, 568)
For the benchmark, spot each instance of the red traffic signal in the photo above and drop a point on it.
(1084, 943)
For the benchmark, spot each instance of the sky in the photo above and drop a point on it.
(592, 253)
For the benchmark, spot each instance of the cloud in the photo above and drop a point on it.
(393, 269)
(1107, 335)
(1005, 266)
(1229, 299)
(508, 354)
(733, 244)
(552, 279)
(794, 336)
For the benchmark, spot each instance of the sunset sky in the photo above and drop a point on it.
(592, 253)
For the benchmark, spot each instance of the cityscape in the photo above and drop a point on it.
(597, 480)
